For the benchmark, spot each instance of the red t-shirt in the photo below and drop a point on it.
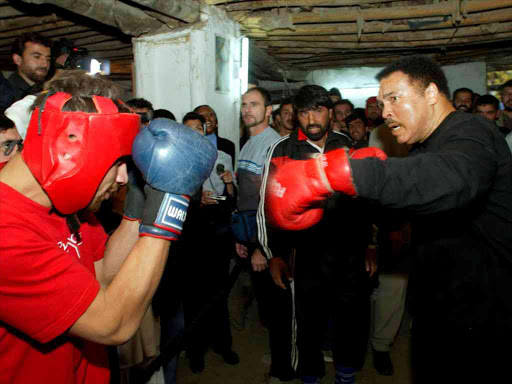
(47, 282)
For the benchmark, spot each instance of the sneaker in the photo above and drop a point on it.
(327, 356)
(382, 363)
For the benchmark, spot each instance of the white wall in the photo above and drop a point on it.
(467, 75)
(176, 70)
(357, 84)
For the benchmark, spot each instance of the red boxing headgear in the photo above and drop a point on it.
(69, 153)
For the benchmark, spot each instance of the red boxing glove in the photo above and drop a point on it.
(295, 193)
(297, 189)
(338, 169)
(367, 152)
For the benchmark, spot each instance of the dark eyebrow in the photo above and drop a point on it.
(40, 53)
(388, 94)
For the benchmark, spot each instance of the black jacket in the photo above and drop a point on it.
(457, 188)
(227, 146)
(338, 241)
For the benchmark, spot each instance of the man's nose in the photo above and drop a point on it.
(122, 174)
(386, 111)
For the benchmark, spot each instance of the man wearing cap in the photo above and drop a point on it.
(65, 288)
(373, 112)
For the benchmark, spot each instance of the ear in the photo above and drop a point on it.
(330, 114)
(432, 94)
(17, 59)
(268, 111)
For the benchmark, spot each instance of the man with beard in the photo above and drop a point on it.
(66, 290)
(330, 278)
(31, 52)
(455, 188)
(287, 117)
(373, 113)
(256, 110)
(505, 116)
(463, 99)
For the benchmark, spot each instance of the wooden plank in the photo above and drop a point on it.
(252, 5)
(241, 5)
(387, 44)
(402, 36)
(36, 28)
(330, 15)
(382, 27)
(187, 11)
(7, 11)
(27, 21)
(130, 20)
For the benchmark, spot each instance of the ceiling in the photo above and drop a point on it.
(286, 35)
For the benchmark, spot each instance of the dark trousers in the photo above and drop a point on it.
(336, 290)
(445, 353)
(350, 323)
(206, 292)
(276, 313)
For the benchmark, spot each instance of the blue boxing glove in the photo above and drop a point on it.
(174, 161)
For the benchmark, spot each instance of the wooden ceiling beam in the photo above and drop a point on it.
(383, 27)
(403, 36)
(252, 5)
(130, 20)
(26, 21)
(8, 11)
(387, 44)
(187, 11)
(36, 28)
(330, 15)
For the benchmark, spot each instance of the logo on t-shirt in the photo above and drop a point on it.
(71, 243)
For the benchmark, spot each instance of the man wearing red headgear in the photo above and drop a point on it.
(65, 288)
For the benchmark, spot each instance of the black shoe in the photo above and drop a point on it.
(229, 356)
(197, 364)
(382, 363)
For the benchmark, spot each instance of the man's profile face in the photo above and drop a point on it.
(314, 122)
(405, 108)
(488, 111)
(506, 98)
(196, 125)
(254, 111)
(116, 176)
(6, 138)
(463, 101)
(374, 111)
(287, 117)
(210, 117)
(357, 129)
(34, 63)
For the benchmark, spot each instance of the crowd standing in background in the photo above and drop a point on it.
(338, 215)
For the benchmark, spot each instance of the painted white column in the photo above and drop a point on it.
(177, 70)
